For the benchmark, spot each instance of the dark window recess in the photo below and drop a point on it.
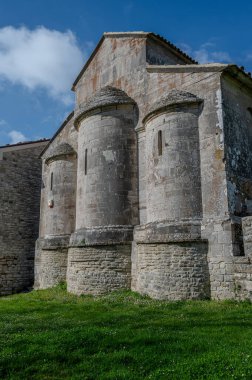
(85, 161)
(51, 184)
(237, 237)
(160, 143)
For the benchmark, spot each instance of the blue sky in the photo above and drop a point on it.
(44, 43)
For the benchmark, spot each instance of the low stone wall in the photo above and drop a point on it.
(98, 269)
(171, 271)
(50, 267)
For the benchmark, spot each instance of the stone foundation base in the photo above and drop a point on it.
(50, 267)
(243, 278)
(16, 273)
(171, 271)
(98, 269)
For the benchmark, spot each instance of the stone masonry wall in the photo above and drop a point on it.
(107, 187)
(20, 182)
(220, 257)
(171, 271)
(238, 146)
(50, 267)
(243, 265)
(173, 188)
(99, 269)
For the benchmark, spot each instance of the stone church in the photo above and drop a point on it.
(147, 185)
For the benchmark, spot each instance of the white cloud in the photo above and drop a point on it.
(3, 123)
(185, 48)
(221, 56)
(202, 56)
(40, 58)
(16, 137)
(206, 53)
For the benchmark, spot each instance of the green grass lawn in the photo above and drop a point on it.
(54, 335)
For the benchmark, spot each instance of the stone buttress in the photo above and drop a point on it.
(99, 258)
(170, 258)
(57, 220)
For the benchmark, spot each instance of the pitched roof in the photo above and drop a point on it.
(151, 35)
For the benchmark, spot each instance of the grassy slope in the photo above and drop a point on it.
(54, 335)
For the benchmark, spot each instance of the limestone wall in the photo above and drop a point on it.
(207, 86)
(57, 221)
(238, 145)
(243, 265)
(172, 271)
(20, 185)
(107, 191)
(98, 270)
(58, 205)
(173, 183)
(50, 267)
(219, 234)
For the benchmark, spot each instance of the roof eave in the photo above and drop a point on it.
(239, 74)
(175, 50)
(88, 62)
(208, 67)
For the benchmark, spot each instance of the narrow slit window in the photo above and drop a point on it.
(85, 161)
(51, 183)
(160, 143)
